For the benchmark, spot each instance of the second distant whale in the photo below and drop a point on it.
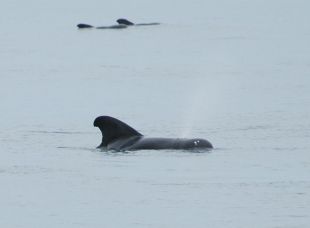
(122, 23)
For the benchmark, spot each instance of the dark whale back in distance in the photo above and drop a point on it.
(119, 26)
(117, 135)
(122, 23)
(84, 26)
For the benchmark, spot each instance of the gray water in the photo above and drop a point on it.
(233, 72)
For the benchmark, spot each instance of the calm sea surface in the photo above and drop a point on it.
(236, 73)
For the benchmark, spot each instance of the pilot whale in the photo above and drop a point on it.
(118, 136)
(122, 23)
(119, 26)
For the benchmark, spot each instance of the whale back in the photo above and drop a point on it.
(84, 26)
(113, 129)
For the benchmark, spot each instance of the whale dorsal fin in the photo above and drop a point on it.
(124, 21)
(113, 129)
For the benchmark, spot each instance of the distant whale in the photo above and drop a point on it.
(119, 26)
(122, 23)
(118, 136)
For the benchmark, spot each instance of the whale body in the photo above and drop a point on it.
(118, 136)
(119, 26)
(122, 23)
